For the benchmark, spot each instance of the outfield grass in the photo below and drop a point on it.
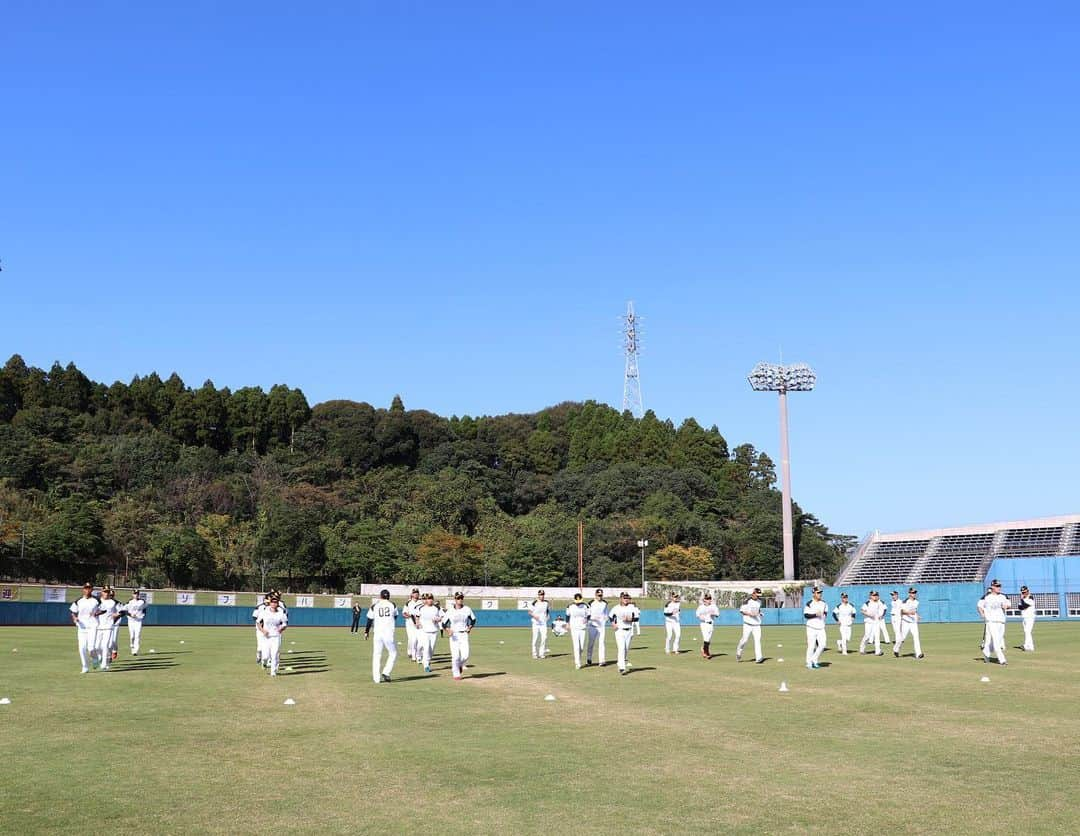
(194, 738)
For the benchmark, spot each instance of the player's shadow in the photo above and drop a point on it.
(158, 654)
(304, 670)
(556, 655)
(148, 665)
(413, 678)
(638, 670)
(484, 675)
(824, 664)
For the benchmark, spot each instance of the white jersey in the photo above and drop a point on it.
(539, 610)
(623, 616)
(672, 611)
(136, 609)
(108, 613)
(274, 622)
(845, 614)
(382, 616)
(86, 611)
(707, 612)
(598, 613)
(578, 616)
(909, 610)
(459, 619)
(994, 607)
(430, 617)
(873, 610)
(410, 608)
(1028, 612)
(751, 613)
(895, 608)
(256, 613)
(814, 614)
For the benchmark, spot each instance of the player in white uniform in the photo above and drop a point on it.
(814, 613)
(428, 622)
(412, 636)
(1027, 614)
(622, 617)
(461, 620)
(272, 623)
(909, 624)
(577, 615)
(751, 620)
(261, 656)
(873, 616)
(844, 614)
(994, 607)
(705, 613)
(381, 619)
(108, 617)
(672, 627)
(598, 621)
(539, 610)
(84, 615)
(136, 612)
(894, 617)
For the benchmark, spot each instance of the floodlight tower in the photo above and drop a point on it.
(767, 377)
(631, 398)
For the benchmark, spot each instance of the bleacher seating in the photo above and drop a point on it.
(957, 555)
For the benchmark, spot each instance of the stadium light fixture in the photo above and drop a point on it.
(798, 377)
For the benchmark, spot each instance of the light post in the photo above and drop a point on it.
(767, 377)
(642, 544)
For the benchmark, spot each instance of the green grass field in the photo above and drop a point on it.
(195, 738)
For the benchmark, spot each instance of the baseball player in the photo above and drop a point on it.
(261, 656)
(844, 614)
(873, 620)
(577, 614)
(84, 615)
(994, 607)
(108, 616)
(412, 635)
(672, 627)
(382, 618)
(705, 613)
(429, 619)
(272, 624)
(1027, 614)
(461, 620)
(539, 610)
(894, 617)
(623, 616)
(909, 624)
(814, 613)
(598, 620)
(136, 612)
(751, 620)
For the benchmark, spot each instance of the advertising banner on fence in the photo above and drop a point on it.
(523, 605)
(54, 594)
(305, 600)
(186, 598)
(489, 604)
(227, 599)
(9, 593)
(148, 596)
(343, 602)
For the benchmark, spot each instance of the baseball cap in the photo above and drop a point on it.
(577, 596)
(757, 589)
(384, 593)
(913, 591)
(460, 596)
(707, 596)
(995, 582)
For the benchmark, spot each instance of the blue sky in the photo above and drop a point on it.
(454, 202)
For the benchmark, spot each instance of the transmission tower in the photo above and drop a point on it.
(631, 397)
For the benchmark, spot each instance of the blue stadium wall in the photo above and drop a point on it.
(938, 602)
(956, 601)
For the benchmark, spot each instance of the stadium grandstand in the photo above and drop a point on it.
(957, 555)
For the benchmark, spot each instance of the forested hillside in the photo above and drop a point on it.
(167, 485)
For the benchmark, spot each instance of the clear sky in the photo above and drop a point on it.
(454, 202)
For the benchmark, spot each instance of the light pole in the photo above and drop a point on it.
(642, 544)
(767, 377)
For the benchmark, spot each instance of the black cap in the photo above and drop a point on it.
(995, 582)
(385, 594)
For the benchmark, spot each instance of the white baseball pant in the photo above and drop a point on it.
(749, 630)
(597, 640)
(672, 634)
(381, 643)
(623, 637)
